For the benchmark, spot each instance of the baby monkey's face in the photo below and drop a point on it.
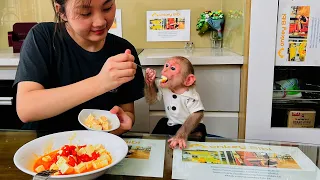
(172, 70)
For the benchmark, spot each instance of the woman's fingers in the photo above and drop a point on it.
(126, 73)
(124, 65)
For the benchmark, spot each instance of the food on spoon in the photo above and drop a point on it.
(71, 159)
(163, 79)
(97, 124)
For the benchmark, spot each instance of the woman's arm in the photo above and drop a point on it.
(34, 102)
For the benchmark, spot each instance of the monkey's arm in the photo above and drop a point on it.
(192, 122)
(150, 93)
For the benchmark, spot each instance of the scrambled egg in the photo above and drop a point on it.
(97, 124)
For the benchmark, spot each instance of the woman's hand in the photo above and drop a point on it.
(117, 70)
(125, 120)
(150, 76)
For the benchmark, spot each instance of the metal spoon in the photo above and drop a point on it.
(145, 69)
(44, 175)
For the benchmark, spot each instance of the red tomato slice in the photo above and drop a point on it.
(71, 161)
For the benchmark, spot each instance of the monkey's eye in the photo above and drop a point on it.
(167, 65)
(173, 68)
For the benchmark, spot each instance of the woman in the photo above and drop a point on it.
(75, 64)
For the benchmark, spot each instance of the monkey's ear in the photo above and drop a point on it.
(190, 79)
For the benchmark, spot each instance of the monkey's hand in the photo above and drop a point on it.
(150, 89)
(178, 141)
(182, 134)
(150, 76)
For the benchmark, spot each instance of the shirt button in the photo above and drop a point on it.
(174, 96)
(174, 108)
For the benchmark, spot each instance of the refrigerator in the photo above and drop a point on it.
(283, 95)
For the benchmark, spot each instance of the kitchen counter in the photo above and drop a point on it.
(199, 56)
(148, 57)
(8, 58)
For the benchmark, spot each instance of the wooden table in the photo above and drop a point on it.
(11, 141)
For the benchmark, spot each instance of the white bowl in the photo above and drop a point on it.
(25, 156)
(112, 118)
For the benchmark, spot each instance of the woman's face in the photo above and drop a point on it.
(90, 20)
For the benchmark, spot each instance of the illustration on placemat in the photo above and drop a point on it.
(201, 156)
(138, 152)
(240, 158)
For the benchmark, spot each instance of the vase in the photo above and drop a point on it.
(216, 42)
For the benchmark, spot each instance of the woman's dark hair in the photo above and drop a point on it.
(57, 18)
(60, 23)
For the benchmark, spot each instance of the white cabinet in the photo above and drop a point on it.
(7, 73)
(222, 124)
(218, 86)
(141, 110)
(261, 78)
(154, 118)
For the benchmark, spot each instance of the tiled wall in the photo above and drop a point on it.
(133, 19)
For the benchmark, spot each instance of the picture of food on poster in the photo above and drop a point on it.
(147, 153)
(116, 27)
(168, 25)
(298, 32)
(238, 161)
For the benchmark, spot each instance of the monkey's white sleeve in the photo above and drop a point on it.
(194, 104)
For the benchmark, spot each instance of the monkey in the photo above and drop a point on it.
(183, 106)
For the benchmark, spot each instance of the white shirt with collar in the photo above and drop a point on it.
(179, 106)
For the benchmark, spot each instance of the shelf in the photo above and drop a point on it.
(295, 101)
(312, 91)
(304, 96)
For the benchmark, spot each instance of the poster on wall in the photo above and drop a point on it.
(145, 158)
(238, 161)
(116, 27)
(298, 32)
(168, 25)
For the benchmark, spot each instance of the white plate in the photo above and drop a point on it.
(112, 118)
(25, 156)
